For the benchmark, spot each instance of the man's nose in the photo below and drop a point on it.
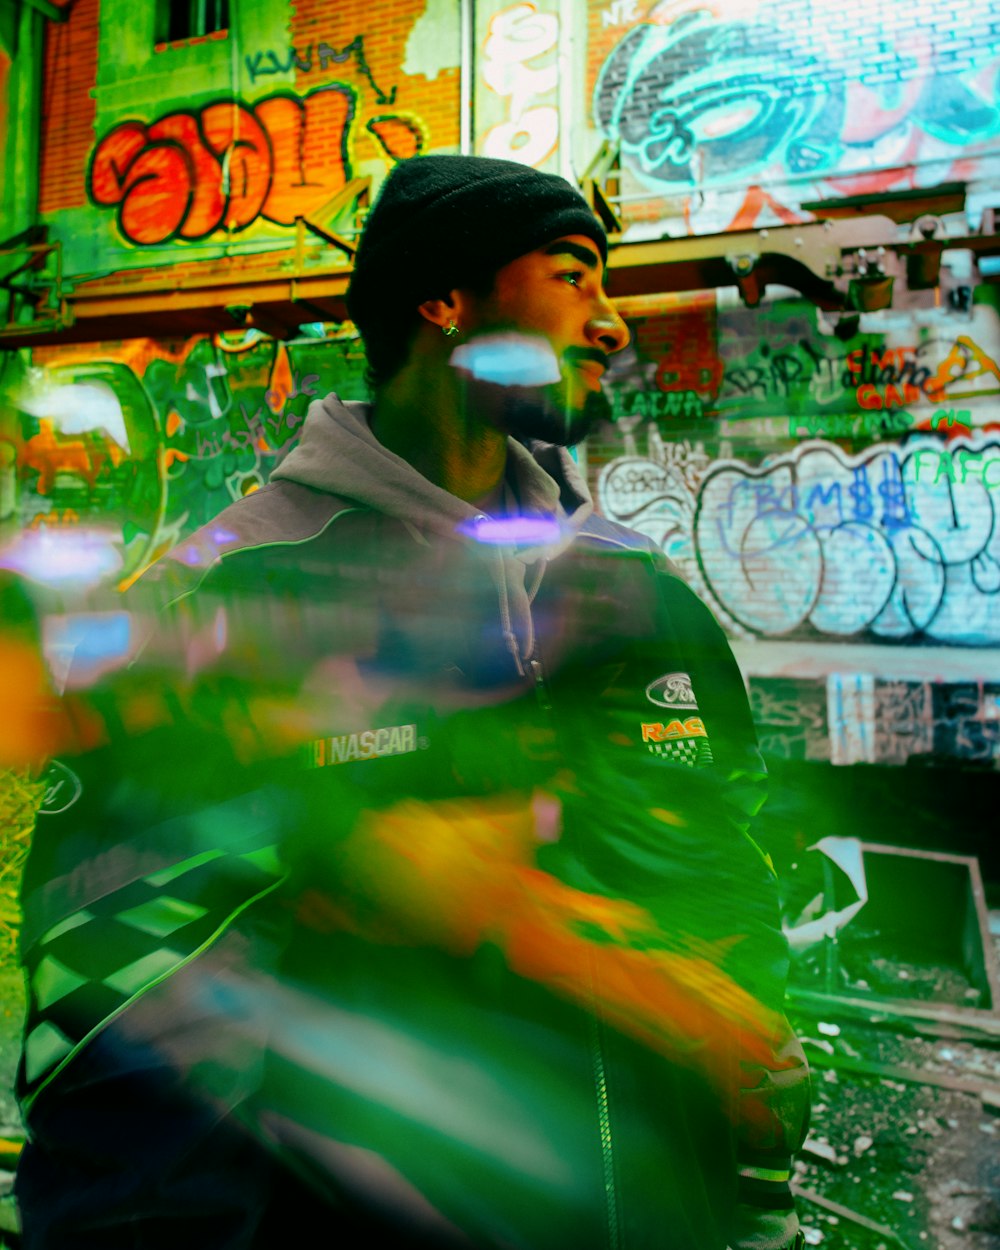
(608, 329)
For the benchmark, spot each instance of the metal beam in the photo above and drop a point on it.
(103, 310)
(901, 206)
(808, 257)
(837, 264)
(51, 11)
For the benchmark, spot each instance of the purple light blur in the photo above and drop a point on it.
(513, 531)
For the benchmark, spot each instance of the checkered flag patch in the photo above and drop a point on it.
(694, 752)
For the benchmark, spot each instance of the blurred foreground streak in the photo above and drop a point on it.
(328, 883)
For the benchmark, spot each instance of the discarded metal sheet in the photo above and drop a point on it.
(888, 903)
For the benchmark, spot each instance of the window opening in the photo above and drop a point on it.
(190, 19)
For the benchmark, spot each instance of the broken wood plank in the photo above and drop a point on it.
(981, 1027)
(915, 1076)
(845, 1213)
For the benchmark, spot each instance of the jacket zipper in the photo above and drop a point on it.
(541, 689)
(603, 1120)
(594, 1020)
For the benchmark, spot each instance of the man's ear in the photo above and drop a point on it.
(439, 311)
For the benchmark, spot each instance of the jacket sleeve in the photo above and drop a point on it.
(774, 1090)
(165, 836)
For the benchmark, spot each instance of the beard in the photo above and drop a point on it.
(544, 413)
(501, 390)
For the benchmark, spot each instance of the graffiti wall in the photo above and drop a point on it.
(894, 722)
(784, 370)
(900, 544)
(158, 157)
(822, 481)
(171, 179)
(816, 490)
(731, 115)
(824, 489)
(184, 151)
(143, 442)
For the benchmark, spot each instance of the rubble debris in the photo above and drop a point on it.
(846, 1213)
(819, 1149)
(990, 1098)
(956, 1189)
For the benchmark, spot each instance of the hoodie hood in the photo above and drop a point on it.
(339, 454)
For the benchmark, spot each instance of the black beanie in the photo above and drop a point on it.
(440, 222)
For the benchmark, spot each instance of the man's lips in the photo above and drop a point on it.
(591, 370)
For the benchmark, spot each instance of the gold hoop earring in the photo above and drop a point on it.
(450, 330)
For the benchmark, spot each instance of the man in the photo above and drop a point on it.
(412, 861)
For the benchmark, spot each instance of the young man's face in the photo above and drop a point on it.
(555, 293)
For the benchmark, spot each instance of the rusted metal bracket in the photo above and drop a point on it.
(601, 182)
(31, 256)
(357, 193)
(852, 258)
(852, 261)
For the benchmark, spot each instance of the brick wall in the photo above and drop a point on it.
(68, 108)
(385, 28)
(911, 723)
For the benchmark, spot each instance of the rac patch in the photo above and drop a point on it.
(679, 741)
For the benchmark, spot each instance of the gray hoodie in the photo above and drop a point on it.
(339, 454)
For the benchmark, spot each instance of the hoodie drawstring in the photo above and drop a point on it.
(506, 624)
